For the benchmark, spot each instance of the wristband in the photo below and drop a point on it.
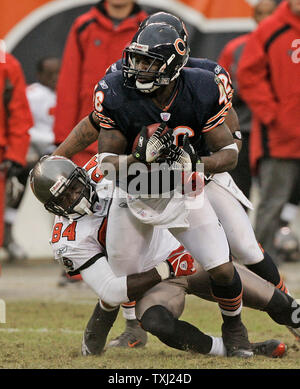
(165, 270)
(232, 146)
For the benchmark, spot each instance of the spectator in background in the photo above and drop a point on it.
(96, 40)
(15, 122)
(41, 96)
(229, 59)
(269, 82)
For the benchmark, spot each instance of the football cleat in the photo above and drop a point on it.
(236, 341)
(270, 348)
(133, 336)
(96, 331)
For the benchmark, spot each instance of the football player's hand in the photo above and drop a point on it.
(182, 263)
(185, 156)
(149, 149)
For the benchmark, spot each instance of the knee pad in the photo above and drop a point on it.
(158, 321)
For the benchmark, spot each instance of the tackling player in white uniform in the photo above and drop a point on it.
(78, 242)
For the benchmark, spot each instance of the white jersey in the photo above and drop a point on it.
(42, 101)
(79, 243)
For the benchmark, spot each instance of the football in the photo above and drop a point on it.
(150, 131)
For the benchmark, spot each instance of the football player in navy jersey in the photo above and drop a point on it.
(107, 122)
(153, 86)
(241, 239)
(260, 263)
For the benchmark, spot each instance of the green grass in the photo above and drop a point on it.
(59, 345)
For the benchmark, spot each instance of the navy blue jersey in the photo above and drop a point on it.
(198, 105)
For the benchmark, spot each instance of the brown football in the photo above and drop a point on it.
(151, 130)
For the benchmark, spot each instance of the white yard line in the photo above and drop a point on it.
(41, 330)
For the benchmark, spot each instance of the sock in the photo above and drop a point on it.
(218, 347)
(229, 297)
(283, 309)
(175, 333)
(267, 270)
(128, 310)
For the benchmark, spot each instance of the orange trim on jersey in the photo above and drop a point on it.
(216, 125)
(218, 114)
(169, 105)
(101, 116)
(104, 125)
(102, 233)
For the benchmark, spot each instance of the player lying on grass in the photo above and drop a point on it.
(78, 242)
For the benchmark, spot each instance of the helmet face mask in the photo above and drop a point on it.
(62, 187)
(72, 196)
(162, 52)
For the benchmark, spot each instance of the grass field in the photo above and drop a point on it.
(47, 335)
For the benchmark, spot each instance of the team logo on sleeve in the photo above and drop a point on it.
(218, 69)
(103, 84)
(68, 264)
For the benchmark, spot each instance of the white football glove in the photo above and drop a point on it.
(185, 156)
(149, 149)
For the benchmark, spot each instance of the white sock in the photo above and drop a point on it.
(128, 312)
(218, 347)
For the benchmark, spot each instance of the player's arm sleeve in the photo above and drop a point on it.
(20, 118)
(252, 77)
(220, 104)
(116, 290)
(68, 88)
(114, 67)
(102, 115)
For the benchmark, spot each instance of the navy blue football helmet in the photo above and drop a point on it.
(163, 50)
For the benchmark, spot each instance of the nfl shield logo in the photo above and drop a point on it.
(165, 116)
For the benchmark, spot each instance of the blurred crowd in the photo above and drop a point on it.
(265, 71)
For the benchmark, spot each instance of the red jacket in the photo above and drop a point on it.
(15, 114)
(269, 81)
(92, 46)
(229, 59)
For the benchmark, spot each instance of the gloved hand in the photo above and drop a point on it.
(185, 156)
(179, 263)
(149, 149)
(182, 264)
(11, 168)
